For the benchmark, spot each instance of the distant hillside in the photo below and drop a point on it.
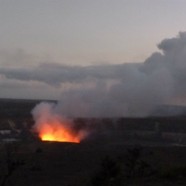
(17, 107)
(169, 110)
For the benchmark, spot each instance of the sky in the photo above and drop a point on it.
(84, 32)
(128, 55)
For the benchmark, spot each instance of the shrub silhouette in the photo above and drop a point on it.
(117, 172)
(11, 163)
(109, 174)
(135, 166)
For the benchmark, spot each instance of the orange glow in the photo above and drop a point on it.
(57, 132)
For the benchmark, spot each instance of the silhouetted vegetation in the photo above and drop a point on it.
(123, 170)
(109, 173)
(11, 163)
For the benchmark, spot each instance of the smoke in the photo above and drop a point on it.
(133, 90)
(117, 90)
(53, 127)
(137, 89)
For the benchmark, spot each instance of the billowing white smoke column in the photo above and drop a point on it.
(137, 89)
(135, 94)
(44, 113)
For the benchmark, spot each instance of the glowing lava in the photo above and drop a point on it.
(51, 126)
(57, 132)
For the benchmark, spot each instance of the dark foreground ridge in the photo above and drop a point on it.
(92, 164)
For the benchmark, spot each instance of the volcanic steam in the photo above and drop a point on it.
(51, 126)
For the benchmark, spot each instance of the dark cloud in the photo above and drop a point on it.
(55, 74)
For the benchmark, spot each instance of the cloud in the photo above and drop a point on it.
(55, 74)
(13, 88)
(132, 89)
